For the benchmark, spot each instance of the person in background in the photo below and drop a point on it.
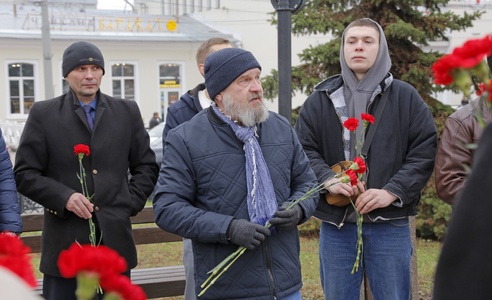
(399, 163)
(225, 173)
(465, 263)
(181, 111)
(196, 99)
(46, 168)
(155, 120)
(10, 218)
(454, 156)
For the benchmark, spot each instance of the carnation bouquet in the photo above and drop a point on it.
(355, 175)
(466, 67)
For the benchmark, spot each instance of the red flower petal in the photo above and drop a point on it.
(367, 117)
(351, 124)
(362, 165)
(123, 287)
(14, 255)
(81, 149)
(353, 176)
(100, 259)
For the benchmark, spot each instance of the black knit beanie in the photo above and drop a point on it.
(79, 54)
(224, 66)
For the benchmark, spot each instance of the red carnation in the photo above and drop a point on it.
(81, 149)
(361, 165)
(367, 117)
(474, 51)
(351, 124)
(101, 260)
(122, 287)
(481, 89)
(14, 255)
(353, 176)
(468, 56)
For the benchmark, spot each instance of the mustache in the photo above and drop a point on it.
(254, 96)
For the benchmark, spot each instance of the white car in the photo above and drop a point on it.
(155, 135)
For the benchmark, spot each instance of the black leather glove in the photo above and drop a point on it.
(247, 234)
(284, 219)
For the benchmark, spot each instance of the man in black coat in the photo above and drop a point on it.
(46, 168)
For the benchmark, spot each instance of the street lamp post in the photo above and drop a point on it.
(48, 70)
(285, 9)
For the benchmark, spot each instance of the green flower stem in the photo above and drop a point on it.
(92, 235)
(359, 246)
(92, 228)
(225, 264)
(111, 296)
(87, 284)
(216, 274)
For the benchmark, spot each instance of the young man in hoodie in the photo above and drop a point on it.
(399, 163)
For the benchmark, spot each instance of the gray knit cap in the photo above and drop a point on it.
(79, 54)
(224, 66)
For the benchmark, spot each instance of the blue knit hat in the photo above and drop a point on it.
(224, 66)
(79, 54)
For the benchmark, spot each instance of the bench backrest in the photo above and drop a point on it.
(148, 233)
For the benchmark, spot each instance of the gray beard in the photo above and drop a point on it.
(245, 114)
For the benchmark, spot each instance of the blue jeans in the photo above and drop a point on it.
(293, 296)
(385, 258)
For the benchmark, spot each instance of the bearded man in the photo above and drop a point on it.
(248, 168)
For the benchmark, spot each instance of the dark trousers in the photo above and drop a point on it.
(59, 288)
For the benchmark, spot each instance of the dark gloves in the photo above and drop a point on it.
(284, 219)
(247, 234)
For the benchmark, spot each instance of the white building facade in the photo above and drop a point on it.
(149, 48)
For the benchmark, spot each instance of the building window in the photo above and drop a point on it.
(170, 75)
(21, 87)
(123, 75)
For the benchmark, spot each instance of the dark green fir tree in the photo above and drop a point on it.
(409, 26)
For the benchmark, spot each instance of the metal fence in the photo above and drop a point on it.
(12, 132)
(27, 206)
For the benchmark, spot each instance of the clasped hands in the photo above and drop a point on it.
(366, 200)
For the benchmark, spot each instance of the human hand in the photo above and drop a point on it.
(373, 199)
(247, 234)
(80, 205)
(336, 187)
(284, 218)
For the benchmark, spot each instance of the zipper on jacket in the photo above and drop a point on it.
(268, 263)
(340, 225)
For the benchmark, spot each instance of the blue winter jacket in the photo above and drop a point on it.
(10, 219)
(202, 187)
(182, 110)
